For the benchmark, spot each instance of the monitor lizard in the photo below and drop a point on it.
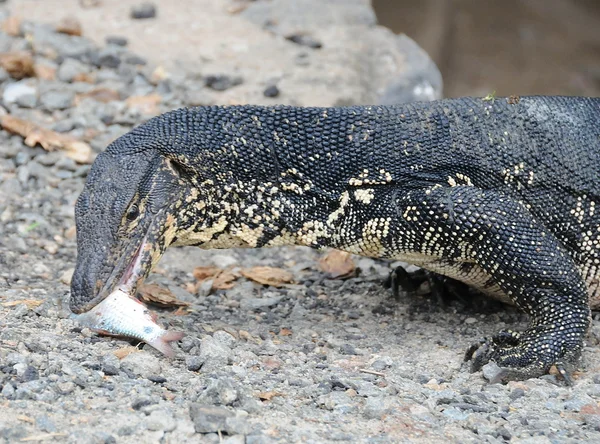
(499, 193)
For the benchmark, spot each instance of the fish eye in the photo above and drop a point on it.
(133, 213)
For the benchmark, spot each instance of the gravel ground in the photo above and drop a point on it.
(318, 360)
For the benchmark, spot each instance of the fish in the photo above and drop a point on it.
(120, 314)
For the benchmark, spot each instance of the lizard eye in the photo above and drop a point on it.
(133, 213)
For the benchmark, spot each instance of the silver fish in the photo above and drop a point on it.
(119, 314)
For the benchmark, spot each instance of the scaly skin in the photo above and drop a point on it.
(499, 194)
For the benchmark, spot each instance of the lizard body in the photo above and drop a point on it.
(500, 194)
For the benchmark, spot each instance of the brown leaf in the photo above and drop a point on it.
(12, 26)
(84, 77)
(44, 72)
(203, 273)
(30, 303)
(275, 277)
(145, 104)
(103, 95)
(285, 332)
(18, 64)
(338, 264)
(125, 351)
(224, 281)
(267, 396)
(49, 140)
(155, 294)
(69, 25)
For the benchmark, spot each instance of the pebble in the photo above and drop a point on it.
(18, 92)
(271, 91)
(71, 69)
(305, 40)
(143, 11)
(258, 303)
(222, 82)
(116, 40)
(142, 364)
(160, 420)
(56, 100)
(210, 419)
(213, 354)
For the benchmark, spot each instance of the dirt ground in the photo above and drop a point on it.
(316, 360)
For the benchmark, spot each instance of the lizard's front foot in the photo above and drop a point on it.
(529, 354)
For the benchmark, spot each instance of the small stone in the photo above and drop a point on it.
(108, 58)
(305, 40)
(222, 82)
(141, 364)
(214, 355)
(258, 303)
(72, 69)
(374, 408)
(492, 372)
(348, 349)
(53, 100)
(143, 11)
(516, 394)
(45, 424)
(470, 321)
(116, 40)
(139, 403)
(110, 370)
(22, 90)
(271, 91)
(210, 419)
(160, 420)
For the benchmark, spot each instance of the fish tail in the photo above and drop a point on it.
(162, 343)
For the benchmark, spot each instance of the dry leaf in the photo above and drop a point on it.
(18, 64)
(26, 419)
(222, 279)
(267, 396)
(285, 332)
(275, 277)
(338, 264)
(44, 72)
(155, 294)
(103, 95)
(125, 351)
(12, 26)
(50, 140)
(203, 273)
(145, 104)
(31, 303)
(69, 25)
(84, 77)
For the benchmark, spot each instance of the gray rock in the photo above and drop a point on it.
(222, 82)
(46, 38)
(141, 364)
(219, 392)
(45, 424)
(109, 57)
(8, 391)
(492, 372)
(22, 90)
(213, 354)
(116, 40)
(210, 419)
(143, 11)
(271, 91)
(27, 101)
(258, 303)
(160, 420)
(55, 100)
(70, 69)
(374, 408)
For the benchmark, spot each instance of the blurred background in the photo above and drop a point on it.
(508, 46)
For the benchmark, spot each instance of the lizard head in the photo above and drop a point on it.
(125, 215)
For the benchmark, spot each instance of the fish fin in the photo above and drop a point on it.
(162, 343)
